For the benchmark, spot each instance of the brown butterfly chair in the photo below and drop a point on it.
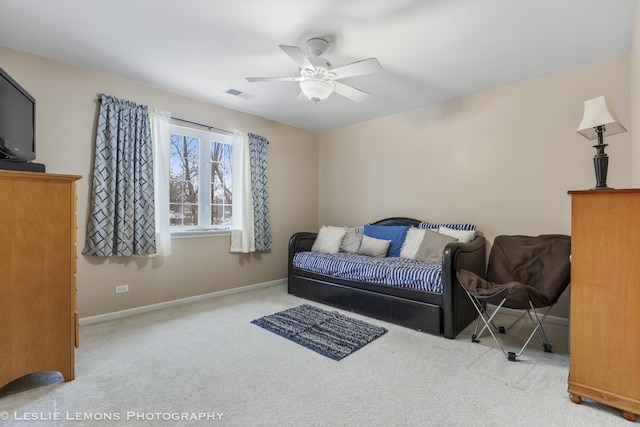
(523, 273)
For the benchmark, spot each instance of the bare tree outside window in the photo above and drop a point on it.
(221, 184)
(183, 181)
(201, 180)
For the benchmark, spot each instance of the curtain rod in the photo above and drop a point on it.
(206, 126)
(193, 123)
(200, 124)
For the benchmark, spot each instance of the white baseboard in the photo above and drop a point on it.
(517, 313)
(138, 310)
(132, 311)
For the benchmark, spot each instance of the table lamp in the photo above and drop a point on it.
(599, 119)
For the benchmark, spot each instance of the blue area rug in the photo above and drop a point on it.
(326, 332)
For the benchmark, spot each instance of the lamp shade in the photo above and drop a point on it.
(598, 112)
(316, 89)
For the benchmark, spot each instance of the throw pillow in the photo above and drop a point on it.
(412, 242)
(352, 238)
(374, 247)
(328, 240)
(394, 233)
(462, 235)
(432, 246)
(434, 226)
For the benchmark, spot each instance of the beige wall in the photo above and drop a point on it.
(503, 159)
(67, 106)
(634, 67)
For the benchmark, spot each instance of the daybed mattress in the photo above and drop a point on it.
(392, 271)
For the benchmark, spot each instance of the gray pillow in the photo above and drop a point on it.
(432, 246)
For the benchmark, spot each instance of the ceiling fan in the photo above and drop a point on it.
(317, 78)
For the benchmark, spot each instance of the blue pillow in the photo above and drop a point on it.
(395, 233)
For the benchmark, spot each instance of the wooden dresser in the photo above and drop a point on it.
(605, 299)
(38, 318)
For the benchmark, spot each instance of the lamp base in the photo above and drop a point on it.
(601, 165)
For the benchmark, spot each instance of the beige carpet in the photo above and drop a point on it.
(204, 363)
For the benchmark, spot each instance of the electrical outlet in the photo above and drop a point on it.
(122, 289)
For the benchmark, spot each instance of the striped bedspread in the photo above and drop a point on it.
(393, 271)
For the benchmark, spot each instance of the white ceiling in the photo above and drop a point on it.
(431, 50)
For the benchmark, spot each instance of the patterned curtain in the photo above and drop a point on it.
(122, 218)
(258, 160)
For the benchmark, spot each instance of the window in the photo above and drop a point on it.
(200, 181)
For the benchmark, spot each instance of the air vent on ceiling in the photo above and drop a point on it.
(239, 93)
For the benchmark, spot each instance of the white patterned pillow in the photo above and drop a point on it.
(352, 239)
(329, 239)
(412, 242)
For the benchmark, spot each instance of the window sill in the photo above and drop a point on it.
(188, 234)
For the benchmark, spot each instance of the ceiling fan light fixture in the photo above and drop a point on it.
(317, 78)
(316, 89)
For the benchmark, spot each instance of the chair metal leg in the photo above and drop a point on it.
(543, 337)
(537, 329)
(481, 308)
(488, 323)
(484, 316)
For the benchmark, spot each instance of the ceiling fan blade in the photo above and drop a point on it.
(350, 92)
(366, 66)
(274, 79)
(298, 56)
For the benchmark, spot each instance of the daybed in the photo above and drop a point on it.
(441, 307)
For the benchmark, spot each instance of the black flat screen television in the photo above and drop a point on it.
(17, 125)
